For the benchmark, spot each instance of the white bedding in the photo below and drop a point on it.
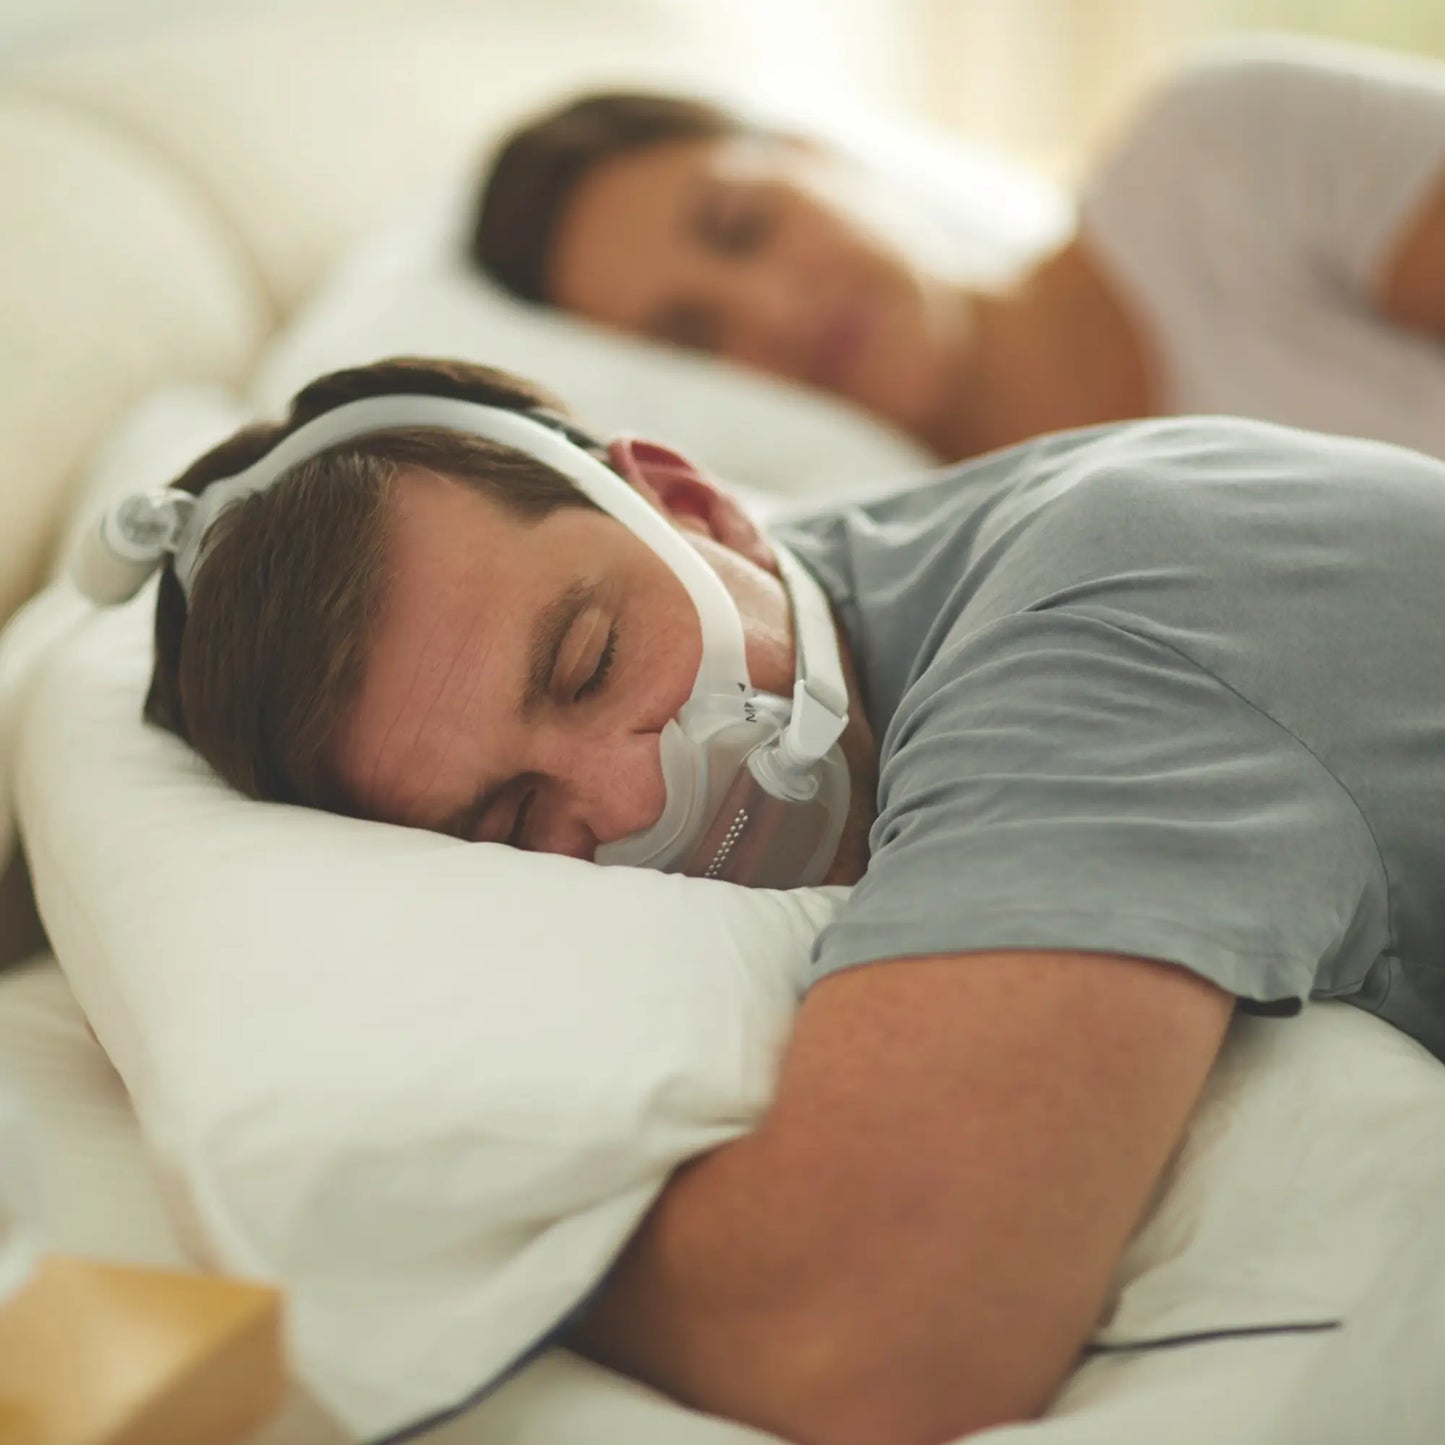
(100, 1194)
(1311, 1188)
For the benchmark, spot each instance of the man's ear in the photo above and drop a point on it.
(694, 502)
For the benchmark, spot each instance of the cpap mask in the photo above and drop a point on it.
(756, 785)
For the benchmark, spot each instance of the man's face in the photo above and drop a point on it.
(522, 671)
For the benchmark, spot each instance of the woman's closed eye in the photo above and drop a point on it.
(735, 221)
(686, 324)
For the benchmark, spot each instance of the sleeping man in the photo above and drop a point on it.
(1116, 732)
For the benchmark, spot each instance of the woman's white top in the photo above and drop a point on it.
(1245, 219)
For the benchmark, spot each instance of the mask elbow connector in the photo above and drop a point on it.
(782, 775)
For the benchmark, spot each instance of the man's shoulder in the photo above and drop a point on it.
(889, 515)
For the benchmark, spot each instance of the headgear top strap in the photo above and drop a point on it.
(135, 536)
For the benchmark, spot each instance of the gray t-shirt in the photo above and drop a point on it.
(1173, 689)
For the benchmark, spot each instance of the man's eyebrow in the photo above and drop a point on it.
(549, 631)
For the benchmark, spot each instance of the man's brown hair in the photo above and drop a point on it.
(539, 166)
(259, 669)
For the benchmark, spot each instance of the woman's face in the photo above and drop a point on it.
(770, 253)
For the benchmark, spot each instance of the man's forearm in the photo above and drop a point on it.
(736, 1298)
(699, 1306)
(917, 1240)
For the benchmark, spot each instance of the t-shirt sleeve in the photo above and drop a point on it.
(1056, 782)
(1323, 153)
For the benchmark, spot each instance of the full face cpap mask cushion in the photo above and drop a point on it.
(757, 788)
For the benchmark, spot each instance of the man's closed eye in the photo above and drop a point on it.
(599, 673)
(516, 834)
(516, 837)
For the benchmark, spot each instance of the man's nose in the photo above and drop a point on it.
(609, 787)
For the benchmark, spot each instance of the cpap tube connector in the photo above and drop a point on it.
(116, 555)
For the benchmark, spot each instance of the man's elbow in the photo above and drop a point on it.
(876, 1377)
(828, 1372)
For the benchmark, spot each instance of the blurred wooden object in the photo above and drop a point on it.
(102, 1354)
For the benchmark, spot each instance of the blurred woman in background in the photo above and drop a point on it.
(1267, 238)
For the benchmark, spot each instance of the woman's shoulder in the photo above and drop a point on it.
(1254, 88)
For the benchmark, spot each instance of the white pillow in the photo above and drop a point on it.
(431, 1086)
(411, 289)
(157, 439)
(421, 1083)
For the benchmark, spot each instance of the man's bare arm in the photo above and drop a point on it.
(918, 1238)
(1412, 288)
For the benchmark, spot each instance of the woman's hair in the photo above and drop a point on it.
(258, 671)
(541, 163)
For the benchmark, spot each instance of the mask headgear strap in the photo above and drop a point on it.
(138, 534)
(820, 693)
(135, 537)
